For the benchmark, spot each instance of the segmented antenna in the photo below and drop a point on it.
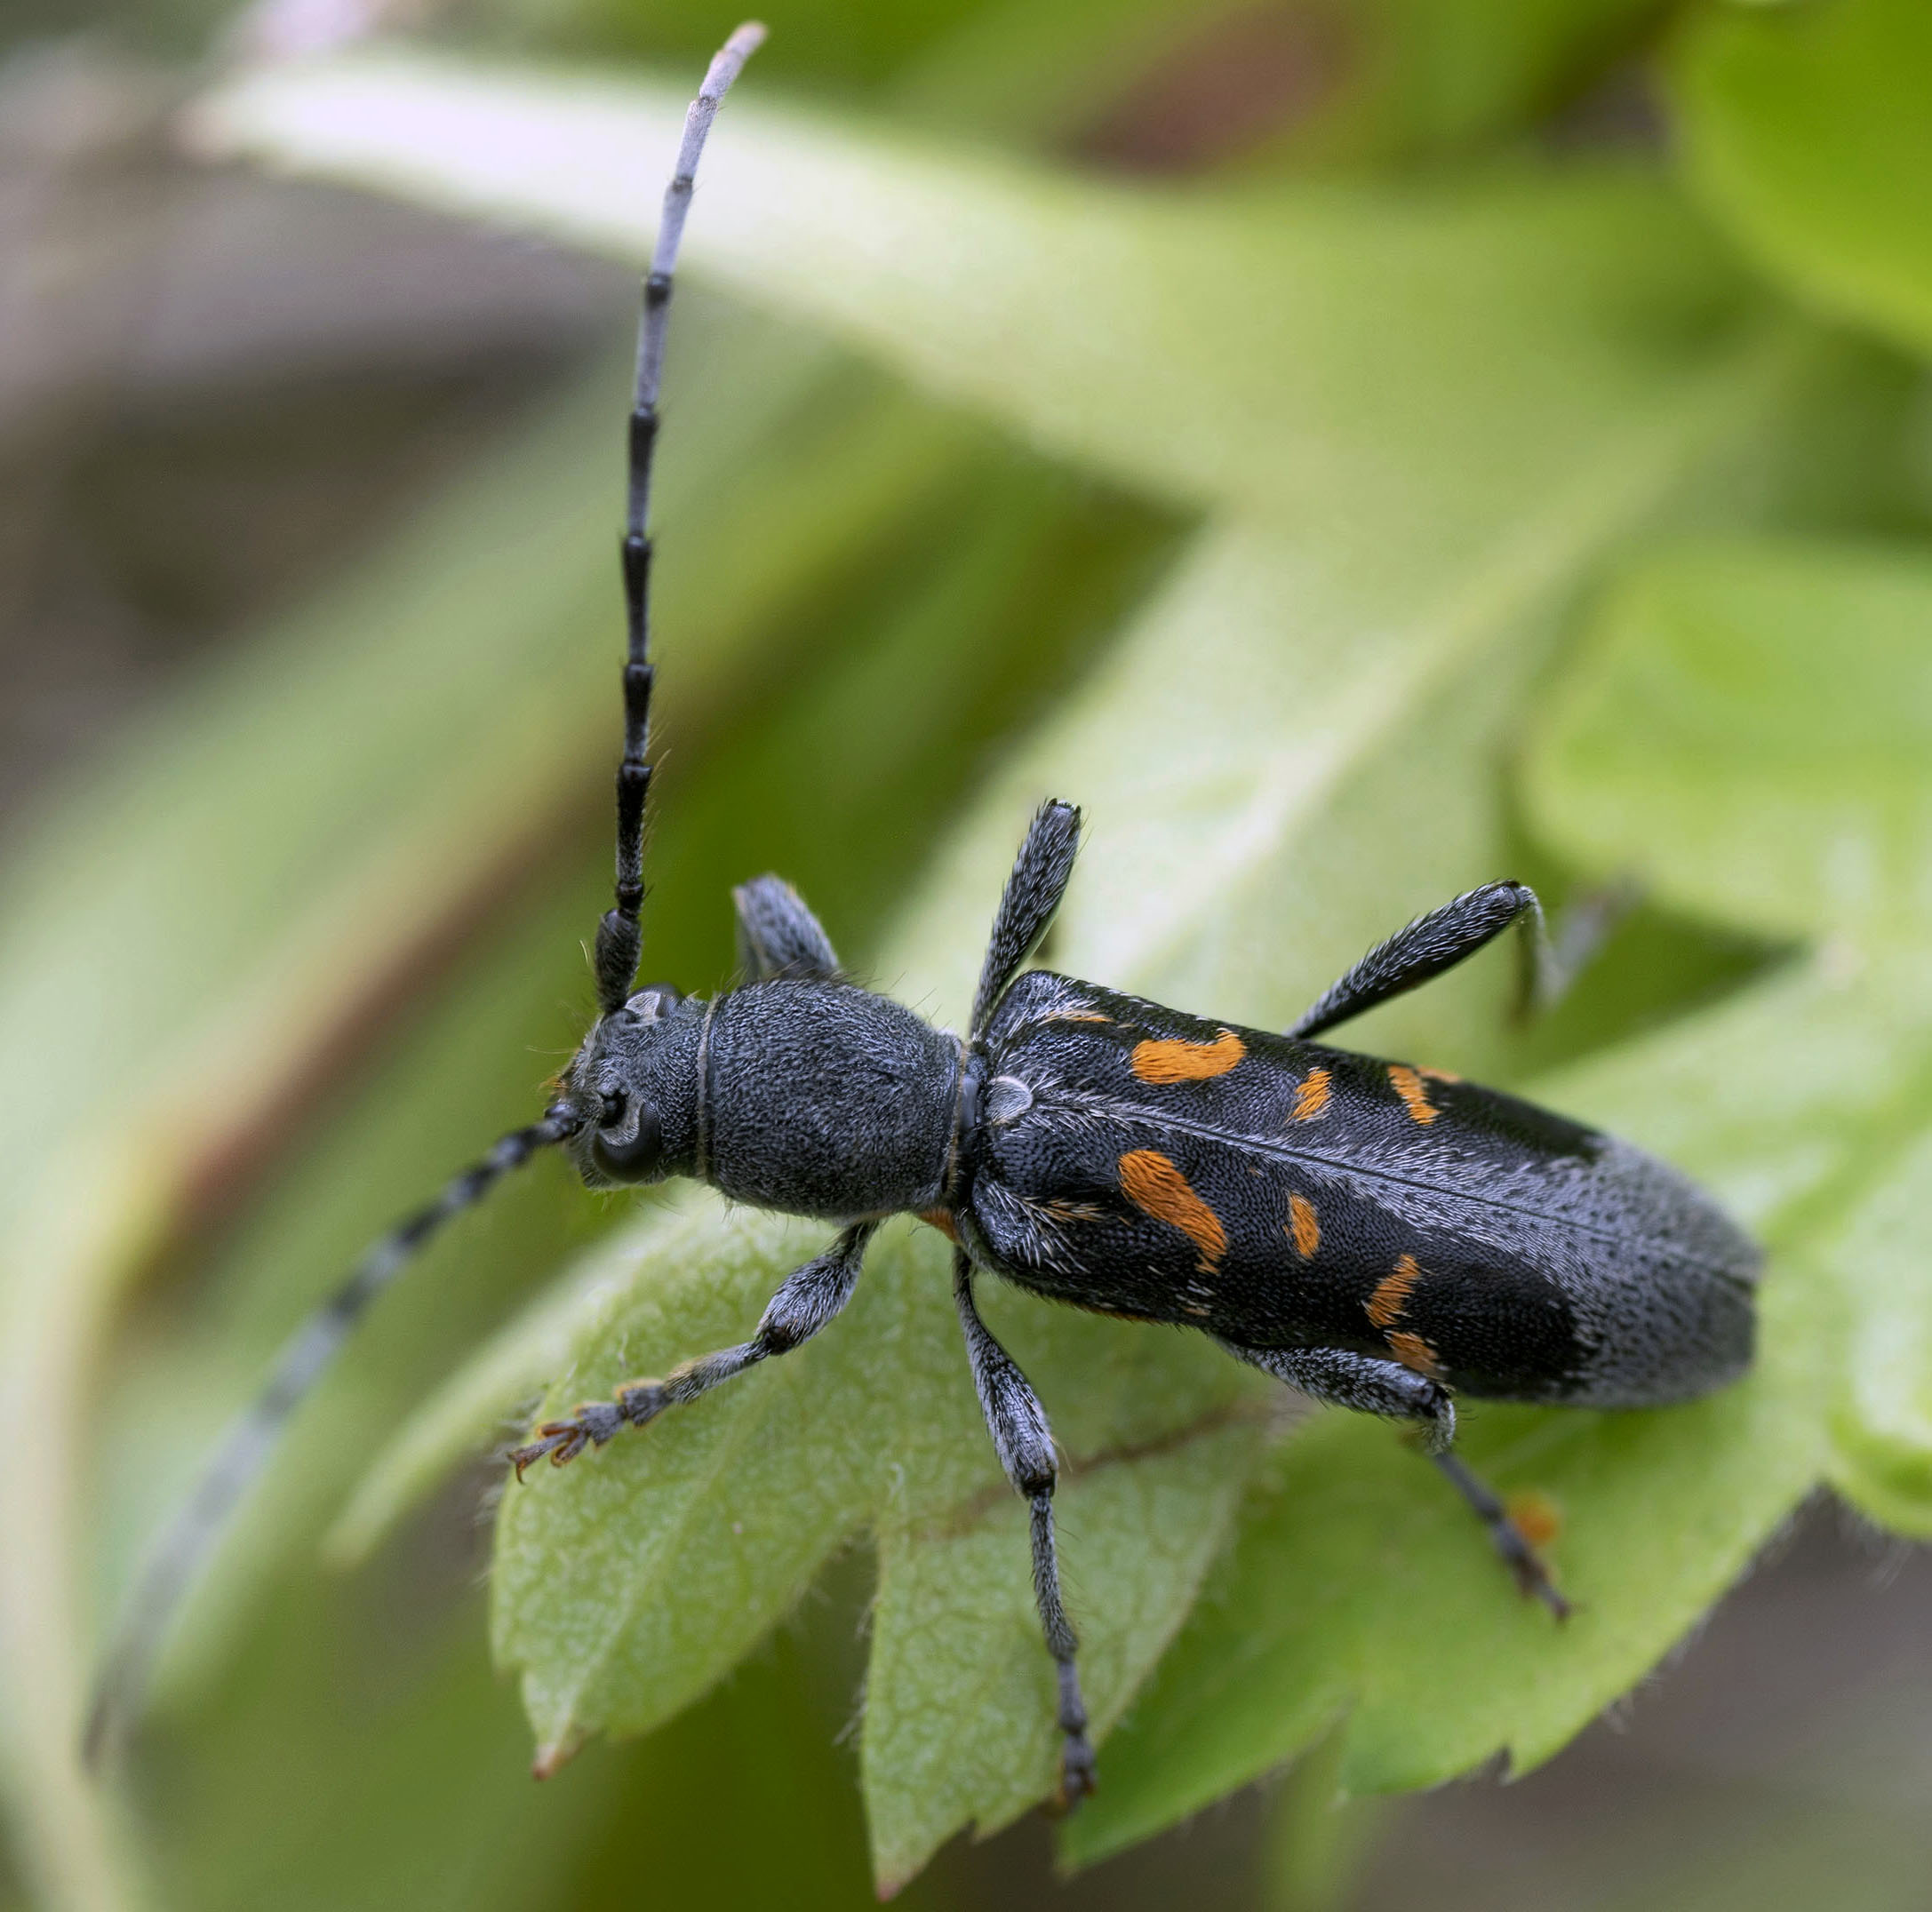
(620, 939)
(244, 1450)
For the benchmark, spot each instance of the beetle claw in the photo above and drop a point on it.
(561, 1440)
(1533, 1582)
(593, 1423)
(1080, 1776)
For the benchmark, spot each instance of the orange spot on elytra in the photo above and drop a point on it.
(1313, 1097)
(942, 1220)
(1535, 1516)
(1408, 1086)
(1186, 1062)
(1413, 1352)
(1439, 1075)
(1156, 1187)
(1304, 1226)
(1385, 1305)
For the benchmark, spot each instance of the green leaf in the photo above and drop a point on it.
(1787, 701)
(735, 1508)
(1263, 350)
(1359, 1588)
(959, 1705)
(1796, 704)
(625, 1597)
(1805, 131)
(1882, 1402)
(1160, 85)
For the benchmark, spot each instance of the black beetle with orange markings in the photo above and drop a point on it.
(1373, 1234)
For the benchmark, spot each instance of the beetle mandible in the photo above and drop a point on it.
(1376, 1235)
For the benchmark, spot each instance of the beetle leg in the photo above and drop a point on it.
(778, 935)
(807, 1299)
(1033, 893)
(1398, 1393)
(1532, 1576)
(1369, 1385)
(1423, 949)
(1454, 933)
(1024, 1444)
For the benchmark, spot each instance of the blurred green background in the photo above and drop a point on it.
(1358, 448)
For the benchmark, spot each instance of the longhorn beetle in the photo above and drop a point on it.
(1376, 1235)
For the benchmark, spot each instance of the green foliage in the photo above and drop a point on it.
(1794, 705)
(1329, 81)
(1805, 133)
(1787, 689)
(1283, 523)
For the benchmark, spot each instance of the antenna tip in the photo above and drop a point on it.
(730, 60)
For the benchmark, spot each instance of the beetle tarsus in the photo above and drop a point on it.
(640, 1402)
(557, 1439)
(1532, 1577)
(593, 1424)
(1079, 1775)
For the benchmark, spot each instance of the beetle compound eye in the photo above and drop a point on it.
(630, 1152)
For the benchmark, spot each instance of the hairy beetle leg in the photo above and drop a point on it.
(1024, 1443)
(1376, 1387)
(806, 1300)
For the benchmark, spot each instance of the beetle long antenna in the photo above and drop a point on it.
(246, 1449)
(620, 939)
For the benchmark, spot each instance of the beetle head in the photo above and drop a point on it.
(635, 1079)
